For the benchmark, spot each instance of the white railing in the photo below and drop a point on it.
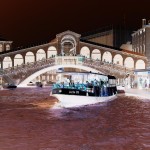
(73, 60)
(25, 70)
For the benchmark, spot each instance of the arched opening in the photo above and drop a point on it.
(36, 74)
(29, 58)
(140, 64)
(68, 45)
(96, 54)
(7, 62)
(52, 52)
(129, 62)
(118, 60)
(40, 55)
(18, 60)
(107, 57)
(85, 52)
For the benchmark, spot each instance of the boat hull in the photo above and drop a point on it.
(76, 100)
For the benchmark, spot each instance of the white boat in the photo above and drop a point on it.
(76, 101)
(101, 89)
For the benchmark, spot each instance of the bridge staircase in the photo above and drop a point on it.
(6, 78)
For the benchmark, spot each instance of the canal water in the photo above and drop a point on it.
(28, 121)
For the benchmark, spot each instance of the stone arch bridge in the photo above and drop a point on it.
(23, 74)
(19, 64)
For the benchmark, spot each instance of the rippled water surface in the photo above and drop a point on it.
(28, 122)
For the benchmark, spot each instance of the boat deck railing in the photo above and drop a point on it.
(80, 86)
(67, 86)
(93, 90)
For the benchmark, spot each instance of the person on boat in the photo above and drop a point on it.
(99, 85)
(62, 85)
(77, 85)
(102, 88)
(91, 86)
(96, 88)
(106, 88)
(87, 85)
(71, 84)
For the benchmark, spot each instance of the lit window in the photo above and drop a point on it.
(7, 47)
(1, 47)
(137, 50)
(143, 48)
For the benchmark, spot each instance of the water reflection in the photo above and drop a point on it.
(28, 123)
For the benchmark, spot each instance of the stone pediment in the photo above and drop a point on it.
(68, 32)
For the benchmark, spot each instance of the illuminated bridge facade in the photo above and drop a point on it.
(42, 61)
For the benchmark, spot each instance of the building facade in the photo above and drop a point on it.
(5, 45)
(141, 41)
(113, 36)
(69, 43)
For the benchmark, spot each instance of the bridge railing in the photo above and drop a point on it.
(25, 70)
(65, 60)
(29, 66)
(109, 68)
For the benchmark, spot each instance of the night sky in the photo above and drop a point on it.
(34, 21)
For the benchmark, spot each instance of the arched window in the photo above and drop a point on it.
(68, 45)
(52, 52)
(118, 60)
(7, 62)
(143, 48)
(137, 50)
(129, 62)
(40, 55)
(96, 54)
(1, 47)
(107, 57)
(7, 47)
(141, 51)
(85, 52)
(29, 58)
(18, 60)
(140, 64)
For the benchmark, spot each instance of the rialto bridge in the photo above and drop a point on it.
(69, 51)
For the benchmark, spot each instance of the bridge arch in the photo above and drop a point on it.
(40, 55)
(29, 57)
(96, 54)
(129, 62)
(118, 59)
(7, 62)
(107, 57)
(18, 60)
(85, 51)
(36, 74)
(52, 51)
(140, 64)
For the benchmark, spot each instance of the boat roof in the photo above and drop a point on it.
(81, 73)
